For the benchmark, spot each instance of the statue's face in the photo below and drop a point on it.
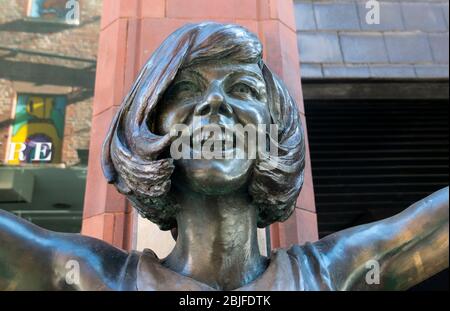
(216, 94)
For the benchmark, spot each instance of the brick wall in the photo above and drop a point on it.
(73, 77)
(411, 41)
(6, 100)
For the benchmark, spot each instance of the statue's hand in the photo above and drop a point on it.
(398, 252)
(32, 258)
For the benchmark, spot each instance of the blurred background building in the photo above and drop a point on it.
(47, 75)
(375, 102)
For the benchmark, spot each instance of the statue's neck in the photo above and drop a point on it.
(217, 241)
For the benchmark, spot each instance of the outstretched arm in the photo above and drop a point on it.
(32, 258)
(407, 248)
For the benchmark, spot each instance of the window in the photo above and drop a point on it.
(60, 11)
(38, 122)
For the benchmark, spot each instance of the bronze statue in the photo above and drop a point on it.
(216, 72)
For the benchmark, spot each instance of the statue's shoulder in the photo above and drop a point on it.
(129, 274)
(110, 272)
(304, 252)
(311, 266)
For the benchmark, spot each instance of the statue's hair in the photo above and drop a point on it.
(133, 155)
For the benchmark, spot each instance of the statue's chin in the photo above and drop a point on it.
(213, 177)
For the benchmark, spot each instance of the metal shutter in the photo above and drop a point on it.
(372, 159)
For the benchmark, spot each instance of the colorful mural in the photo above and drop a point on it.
(50, 10)
(39, 119)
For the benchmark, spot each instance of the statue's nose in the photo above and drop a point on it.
(214, 103)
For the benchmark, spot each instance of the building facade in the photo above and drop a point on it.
(375, 82)
(47, 75)
(375, 85)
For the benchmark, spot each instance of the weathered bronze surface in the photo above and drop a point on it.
(216, 71)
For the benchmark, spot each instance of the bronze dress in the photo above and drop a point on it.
(299, 268)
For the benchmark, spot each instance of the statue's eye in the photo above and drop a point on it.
(186, 89)
(242, 89)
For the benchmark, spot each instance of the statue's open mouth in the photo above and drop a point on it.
(225, 139)
(214, 137)
(215, 141)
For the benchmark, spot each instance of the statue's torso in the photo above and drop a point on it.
(296, 269)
